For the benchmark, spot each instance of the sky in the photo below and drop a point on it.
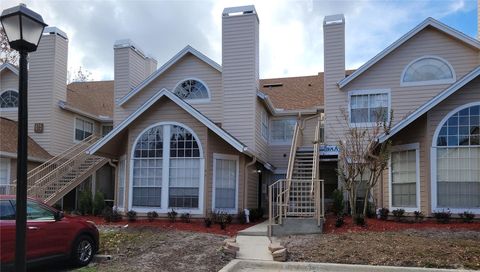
(291, 36)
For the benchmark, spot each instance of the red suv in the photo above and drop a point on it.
(50, 234)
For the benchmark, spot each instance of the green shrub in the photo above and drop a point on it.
(241, 217)
(107, 214)
(185, 217)
(152, 215)
(398, 214)
(443, 216)
(370, 210)
(467, 217)
(98, 203)
(418, 216)
(359, 220)
(116, 216)
(208, 221)
(338, 202)
(339, 222)
(383, 213)
(172, 216)
(57, 206)
(132, 216)
(85, 202)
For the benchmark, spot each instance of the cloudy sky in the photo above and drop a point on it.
(291, 37)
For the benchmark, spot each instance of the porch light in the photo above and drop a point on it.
(23, 27)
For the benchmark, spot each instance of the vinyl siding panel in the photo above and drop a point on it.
(252, 188)
(188, 67)
(240, 76)
(260, 142)
(387, 72)
(279, 157)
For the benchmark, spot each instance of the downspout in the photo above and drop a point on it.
(245, 182)
(115, 186)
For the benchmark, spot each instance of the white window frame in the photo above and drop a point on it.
(124, 159)
(166, 173)
(367, 92)
(264, 126)
(75, 127)
(406, 147)
(225, 157)
(195, 101)
(433, 164)
(278, 142)
(13, 109)
(9, 166)
(428, 82)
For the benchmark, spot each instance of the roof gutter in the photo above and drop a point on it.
(12, 155)
(65, 106)
(281, 112)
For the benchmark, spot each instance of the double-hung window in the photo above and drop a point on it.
(404, 177)
(282, 130)
(369, 107)
(225, 182)
(83, 129)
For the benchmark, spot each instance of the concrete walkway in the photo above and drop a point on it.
(268, 266)
(253, 243)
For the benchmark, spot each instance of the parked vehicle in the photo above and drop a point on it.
(50, 234)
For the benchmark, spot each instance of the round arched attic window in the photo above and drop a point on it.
(9, 99)
(192, 89)
(428, 70)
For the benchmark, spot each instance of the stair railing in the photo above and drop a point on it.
(50, 165)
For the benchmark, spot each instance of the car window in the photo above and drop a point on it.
(6, 210)
(37, 212)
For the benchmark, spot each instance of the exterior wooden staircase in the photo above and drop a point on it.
(296, 203)
(58, 176)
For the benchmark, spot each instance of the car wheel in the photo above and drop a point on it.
(82, 250)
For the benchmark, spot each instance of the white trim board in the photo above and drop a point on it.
(166, 66)
(182, 104)
(9, 66)
(431, 103)
(427, 22)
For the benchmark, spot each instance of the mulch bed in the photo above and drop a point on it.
(195, 225)
(377, 225)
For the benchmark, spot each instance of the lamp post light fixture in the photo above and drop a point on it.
(24, 29)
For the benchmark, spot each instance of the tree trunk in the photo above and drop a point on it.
(353, 201)
(365, 202)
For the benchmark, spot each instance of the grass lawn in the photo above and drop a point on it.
(438, 248)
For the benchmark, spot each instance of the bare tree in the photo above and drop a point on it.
(79, 75)
(363, 158)
(7, 54)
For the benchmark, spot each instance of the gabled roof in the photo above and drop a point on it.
(9, 138)
(91, 98)
(168, 64)
(184, 105)
(9, 66)
(431, 103)
(427, 22)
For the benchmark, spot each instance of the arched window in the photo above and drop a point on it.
(428, 70)
(457, 162)
(9, 99)
(192, 89)
(167, 165)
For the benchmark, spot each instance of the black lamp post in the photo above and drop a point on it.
(24, 29)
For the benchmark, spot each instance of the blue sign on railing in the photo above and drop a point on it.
(329, 150)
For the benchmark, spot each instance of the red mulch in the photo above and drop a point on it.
(377, 225)
(196, 225)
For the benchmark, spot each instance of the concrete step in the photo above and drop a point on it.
(297, 225)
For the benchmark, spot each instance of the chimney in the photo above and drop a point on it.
(333, 68)
(131, 67)
(47, 86)
(240, 72)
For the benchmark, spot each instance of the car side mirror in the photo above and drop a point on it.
(58, 215)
